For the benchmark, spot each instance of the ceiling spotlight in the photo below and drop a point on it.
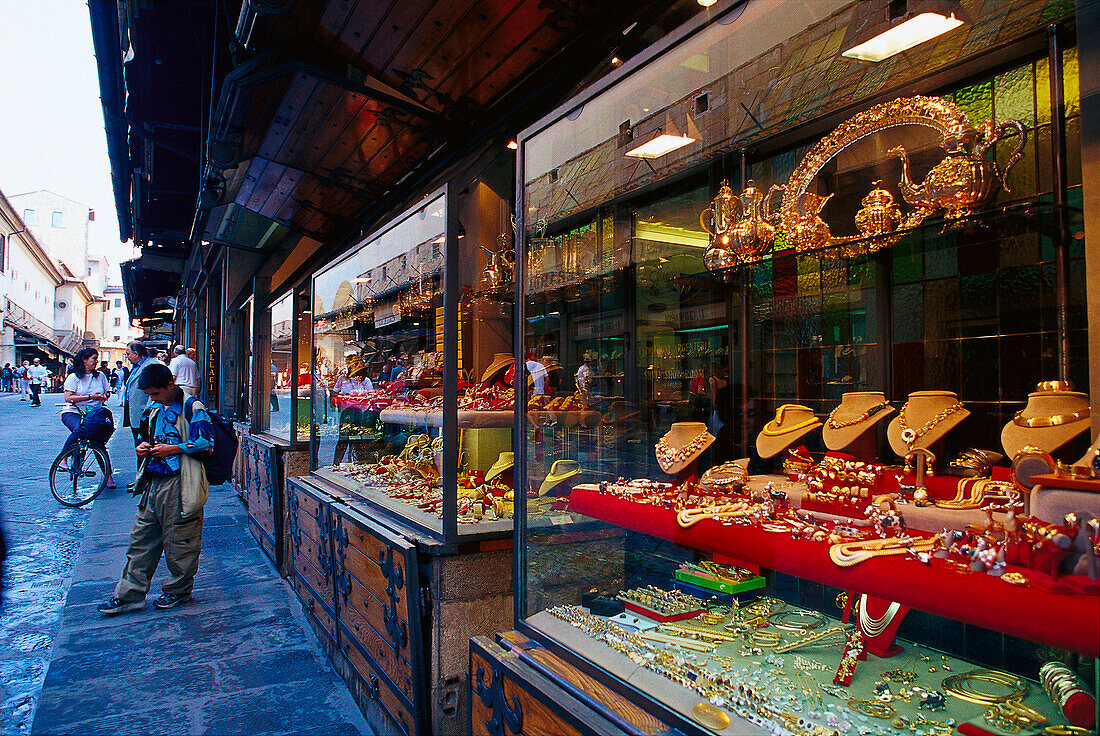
(513, 145)
(615, 61)
(706, 3)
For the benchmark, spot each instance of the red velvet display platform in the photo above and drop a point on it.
(1061, 619)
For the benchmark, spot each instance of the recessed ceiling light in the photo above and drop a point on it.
(706, 3)
(902, 37)
(513, 145)
(659, 146)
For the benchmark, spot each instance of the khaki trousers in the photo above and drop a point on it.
(158, 527)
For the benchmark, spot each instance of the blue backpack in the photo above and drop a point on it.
(219, 463)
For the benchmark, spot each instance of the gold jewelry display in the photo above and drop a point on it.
(1067, 731)
(826, 637)
(795, 620)
(964, 687)
(833, 423)
(875, 708)
(1053, 421)
(778, 421)
(849, 554)
(910, 435)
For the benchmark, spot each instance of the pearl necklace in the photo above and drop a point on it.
(667, 456)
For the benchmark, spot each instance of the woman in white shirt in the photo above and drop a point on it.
(86, 388)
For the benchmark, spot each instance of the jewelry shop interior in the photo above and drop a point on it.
(748, 395)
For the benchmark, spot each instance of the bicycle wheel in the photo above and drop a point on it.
(84, 476)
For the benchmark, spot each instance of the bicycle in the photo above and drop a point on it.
(79, 474)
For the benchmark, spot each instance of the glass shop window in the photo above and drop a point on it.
(377, 351)
(277, 395)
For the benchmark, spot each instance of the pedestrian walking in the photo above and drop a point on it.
(24, 380)
(7, 376)
(37, 377)
(85, 390)
(134, 399)
(185, 371)
(173, 491)
(118, 380)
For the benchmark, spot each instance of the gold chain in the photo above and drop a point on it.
(834, 423)
(909, 435)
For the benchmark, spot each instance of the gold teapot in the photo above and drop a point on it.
(802, 223)
(879, 215)
(964, 180)
(719, 254)
(742, 230)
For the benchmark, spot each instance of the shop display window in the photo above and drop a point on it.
(275, 403)
(815, 381)
(387, 398)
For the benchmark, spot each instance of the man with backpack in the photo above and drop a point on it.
(176, 435)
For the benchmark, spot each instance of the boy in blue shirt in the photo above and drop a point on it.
(169, 513)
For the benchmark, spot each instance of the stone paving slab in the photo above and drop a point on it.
(240, 659)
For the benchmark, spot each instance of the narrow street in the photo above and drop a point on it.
(239, 659)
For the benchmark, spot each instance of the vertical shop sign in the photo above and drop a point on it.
(212, 368)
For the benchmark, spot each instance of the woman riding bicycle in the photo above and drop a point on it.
(86, 389)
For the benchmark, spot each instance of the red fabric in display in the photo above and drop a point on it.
(1080, 710)
(1062, 620)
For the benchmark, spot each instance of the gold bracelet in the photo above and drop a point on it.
(875, 708)
(764, 638)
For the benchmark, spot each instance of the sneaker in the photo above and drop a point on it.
(116, 606)
(167, 600)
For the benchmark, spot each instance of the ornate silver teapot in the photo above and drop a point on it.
(964, 180)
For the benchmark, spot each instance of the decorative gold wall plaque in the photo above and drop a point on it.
(959, 184)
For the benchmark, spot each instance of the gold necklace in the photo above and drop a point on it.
(779, 420)
(1053, 421)
(668, 455)
(834, 423)
(909, 435)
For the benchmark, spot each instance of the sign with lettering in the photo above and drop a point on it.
(212, 368)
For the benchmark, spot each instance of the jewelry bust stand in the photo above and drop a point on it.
(791, 423)
(849, 425)
(879, 621)
(679, 449)
(924, 420)
(1054, 415)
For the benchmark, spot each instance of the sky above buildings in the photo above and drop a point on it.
(51, 121)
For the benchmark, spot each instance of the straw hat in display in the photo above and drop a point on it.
(559, 471)
(791, 422)
(504, 462)
(682, 445)
(858, 412)
(926, 417)
(500, 362)
(1054, 415)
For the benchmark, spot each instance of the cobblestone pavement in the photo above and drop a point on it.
(240, 659)
(43, 543)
